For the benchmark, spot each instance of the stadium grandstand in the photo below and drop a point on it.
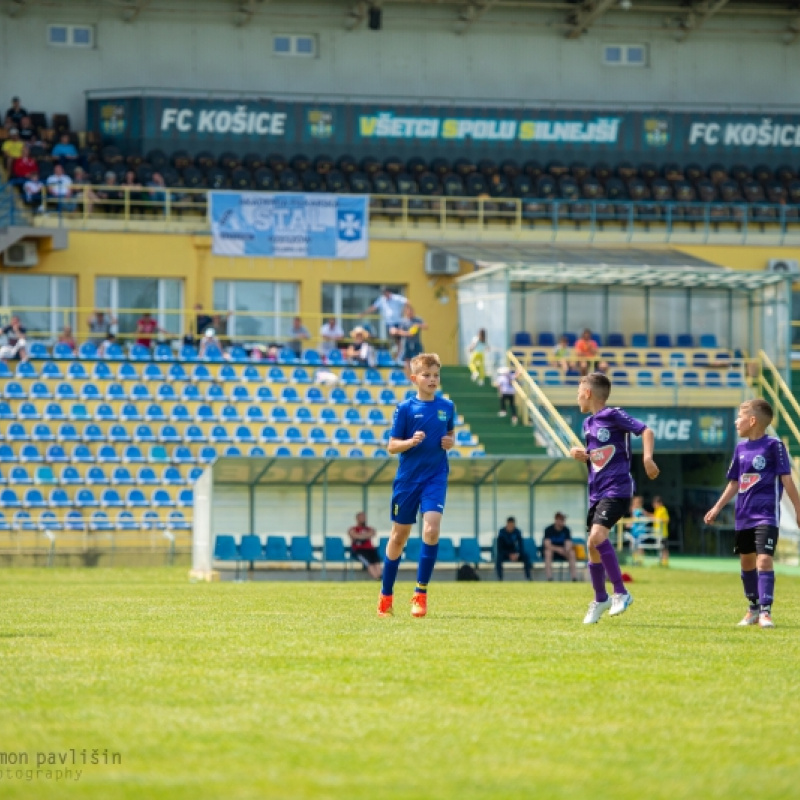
(534, 169)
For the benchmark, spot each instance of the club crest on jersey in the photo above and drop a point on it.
(442, 416)
(603, 434)
(602, 456)
(759, 462)
(748, 480)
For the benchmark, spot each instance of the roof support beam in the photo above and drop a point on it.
(133, 8)
(582, 19)
(471, 13)
(699, 15)
(14, 7)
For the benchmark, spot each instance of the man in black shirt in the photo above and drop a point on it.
(511, 548)
(15, 114)
(558, 542)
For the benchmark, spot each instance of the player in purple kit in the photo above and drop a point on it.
(607, 432)
(758, 474)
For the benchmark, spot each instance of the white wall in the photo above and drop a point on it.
(502, 58)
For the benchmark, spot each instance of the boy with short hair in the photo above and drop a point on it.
(758, 474)
(422, 433)
(611, 486)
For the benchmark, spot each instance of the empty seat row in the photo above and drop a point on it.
(549, 339)
(97, 475)
(646, 378)
(75, 521)
(88, 498)
(676, 359)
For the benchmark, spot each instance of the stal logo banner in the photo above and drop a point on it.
(287, 225)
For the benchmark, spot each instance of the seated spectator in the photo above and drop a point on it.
(109, 197)
(100, 326)
(661, 527)
(637, 530)
(561, 354)
(27, 132)
(558, 542)
(586, 352)
(103, 351)
(360, 353)
(330, 334)
(66, 337)
(297, 336)
(209, 342)
(59, 187)
(12, 149)
(147, 328)
(32, 191)
(16, 345)
(362, 548)
(156, 197)
(15, 114)
(202, 320)
(510, 547)
(65, 151)
(82, 190)
(24, 167)
(133, 189)
(220, 324)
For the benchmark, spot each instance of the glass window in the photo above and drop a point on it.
(545, 313)
(260, 309)
(710, 315)
(102, 294)
(135, 295)
(57, 34)
(669, 312)
(636, 55)
(282, 44)
(170, 306)
(627, 312)
(29, 296)
(613, 54)
(585, 309)
(128, 298)
(348, 302)
(82, 36)
(305, 45)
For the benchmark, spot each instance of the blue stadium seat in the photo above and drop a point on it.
(157, 454)
(136, 499)
(257, 451)
(14, 391)
(180, 413)
(388, 397)
(126, 521)
(620, 377)
(225, 548)
(116, 392)
(653, 360)
(276, 375)
(121, 476)
(332, 452)
(176, 372)
(53, 411)
(240, 394)
(708, 340)
(307, 452)
(278, 414)
(162, 352)
(133, 455)
(353, 417)
(23, 522)
(186, 498)
(219, 434)
(44, 476)
(81, 454)
(7, 454)
(30, 454)
(691, 379)
(447, 551)
(615, 340)
(16, 433)
(304, 416)
(376, 417)
(70, 476)
(232, 450)
(139, 352)
(684, 340)
(55, 455)
(87, 351)
(147, 477)
(89, 392)
(154, 413)
(318, 436)
(544, 339)
(464, 439)
(110, 499)
(51, 371)
(413, 549)
(152, 372)
(677, 360)
(230, 413)
(140, 392)
(99, 521)
(207, 455)
(42, 433)
(204, 413)
(5, 372)
(177, 521)
(212, 354)
(342, 436)
(62, 351)
(201, 374)
(552, 377)
(367, 437)
(335, 358)
(265, 395)
(227, 373)
(364, 397)
(214, 393)
(166, 392)
(161, 498)
(9, 499)
(380, 453)
(349, 377)
(251, 374)
(275, 549)
(64, 391)
(522, 339)
(171, 476)
(243, 435)
(129, 413)
(328, 416)
(334, 550)
(127, 372)
(662, 340)
(287, 356)
(96, 476)
(107, 454)
(20, 475)
(644, 378)
(630, 358)
(300, 549)
(338, 396)
(143, 433)
(385, 359)
(373, 378)
(85, 498)
(735, 380)
(314, 395)
(713, 380)
(283, 452)
(188, 352)
(293, 435)
(183, 455)
(289, 395)
(300, 375)
(190, 392)
(639, 340)
(151, 521)
(59, 499)
(74, 521)
(40, 391)
(469, 551)
(169, 434)
(77, 372)
(194, 434)
(27, 411)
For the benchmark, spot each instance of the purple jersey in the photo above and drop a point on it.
(608, 442)
(757, 467)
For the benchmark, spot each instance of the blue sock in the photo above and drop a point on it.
(427, 559)
(390, 568)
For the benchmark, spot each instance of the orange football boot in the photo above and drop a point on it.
(385, 605)
(419, 604)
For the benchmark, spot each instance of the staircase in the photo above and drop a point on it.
(783, 430)
(478, 405)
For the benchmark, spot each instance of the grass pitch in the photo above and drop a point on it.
(271, 690)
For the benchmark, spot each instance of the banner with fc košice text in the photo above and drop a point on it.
(289, 225)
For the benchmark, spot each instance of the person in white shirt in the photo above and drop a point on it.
(32, 189)
(330, 334)
(505, 385)
(59, 186)
(390, 306)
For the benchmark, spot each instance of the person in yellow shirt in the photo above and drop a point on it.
(12, 148)
(661, 527)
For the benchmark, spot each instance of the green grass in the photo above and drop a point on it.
(270, 690)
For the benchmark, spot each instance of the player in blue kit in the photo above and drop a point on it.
(607, 432)
(422, 433)
(758, 474)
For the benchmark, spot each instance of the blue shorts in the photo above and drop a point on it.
(408, 498)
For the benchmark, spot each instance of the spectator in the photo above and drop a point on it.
(202, 320)
(12, 149)
(297, 336)
(220, 324)
(558, 542)
(390, 306)
(362, 548)
(637, 529)
(65, 151)
(27, 132)
(586, 352)
(510, 547)
(156, 197)
(409, 329)
(661, 527)
(82, 190)
(16, 345)
(505, 386)
(32, 191)
(133, 190)
(110, 196)
(24, 167)
(15, 114)
(209, 342)
(360, 353)
(147, 328)
(561, 354)
(59, 187)
(100, 326)
(104, 350)
(478, 349)
(330, 334)
(66, 337)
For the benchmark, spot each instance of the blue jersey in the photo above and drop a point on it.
(427, 460)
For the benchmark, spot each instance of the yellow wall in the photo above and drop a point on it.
(92, 254)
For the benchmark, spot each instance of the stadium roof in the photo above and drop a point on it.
(364, 472)
(566, 274)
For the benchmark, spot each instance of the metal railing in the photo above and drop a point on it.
(551, 427)
(122, 207)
